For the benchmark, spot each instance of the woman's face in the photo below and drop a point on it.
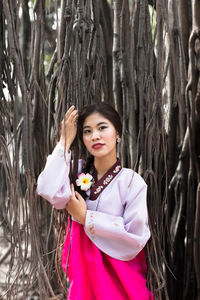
(99, 136)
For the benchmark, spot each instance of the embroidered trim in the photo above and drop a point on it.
(117, 169)
(91, 224)
(108, 179)
(100, 185)
(59, 152)
(98, 190)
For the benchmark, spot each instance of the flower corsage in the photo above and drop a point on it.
(84, 181)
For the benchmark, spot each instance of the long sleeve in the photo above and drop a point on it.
(122, 237)
(53, 183)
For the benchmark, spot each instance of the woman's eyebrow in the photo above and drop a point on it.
(86, 126)
(100, 123)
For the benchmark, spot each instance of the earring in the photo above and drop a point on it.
(118, 140)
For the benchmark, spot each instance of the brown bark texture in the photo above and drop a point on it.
(141, 56)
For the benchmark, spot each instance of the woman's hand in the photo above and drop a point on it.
(77, 207)
(69, 127)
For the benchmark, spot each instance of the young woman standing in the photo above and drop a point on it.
(104, 249)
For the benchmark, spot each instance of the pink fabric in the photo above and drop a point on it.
(94, 275)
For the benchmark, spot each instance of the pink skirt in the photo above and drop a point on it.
(94, 275)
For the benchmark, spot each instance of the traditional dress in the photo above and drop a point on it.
(106, 258)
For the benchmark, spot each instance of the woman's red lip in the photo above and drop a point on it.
(97, 146)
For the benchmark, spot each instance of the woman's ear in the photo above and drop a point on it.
(118, 139)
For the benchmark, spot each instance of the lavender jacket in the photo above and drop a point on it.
(117, 220)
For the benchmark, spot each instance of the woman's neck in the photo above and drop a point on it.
(103, 164)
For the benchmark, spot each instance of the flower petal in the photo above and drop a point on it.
(89, 176)
(85, 187)
(81, 175)
(78, 182)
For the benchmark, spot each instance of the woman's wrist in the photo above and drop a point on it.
(83, 218)
(65, 144)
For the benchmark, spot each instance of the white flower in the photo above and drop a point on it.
(84, 181)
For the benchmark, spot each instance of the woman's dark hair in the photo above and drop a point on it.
(106, 110)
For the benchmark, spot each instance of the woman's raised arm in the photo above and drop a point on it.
(53, 183)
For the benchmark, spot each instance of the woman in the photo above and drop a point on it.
(104, 249)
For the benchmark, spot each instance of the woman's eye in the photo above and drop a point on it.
(102, 127)
(86, 131)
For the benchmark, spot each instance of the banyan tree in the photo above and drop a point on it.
(141, 56)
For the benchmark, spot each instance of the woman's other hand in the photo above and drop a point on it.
(69, 127)
(77, 207)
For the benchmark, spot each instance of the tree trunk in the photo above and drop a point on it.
(143, 57)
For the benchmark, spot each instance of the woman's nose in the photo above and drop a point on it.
(95, 135)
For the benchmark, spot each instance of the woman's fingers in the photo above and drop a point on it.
(72, 189)
(73, 116)
(67, 115)
(69, 128)
(69, 120)
(70, 110)
(78, 196)
(75, 194)
(77, 207)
